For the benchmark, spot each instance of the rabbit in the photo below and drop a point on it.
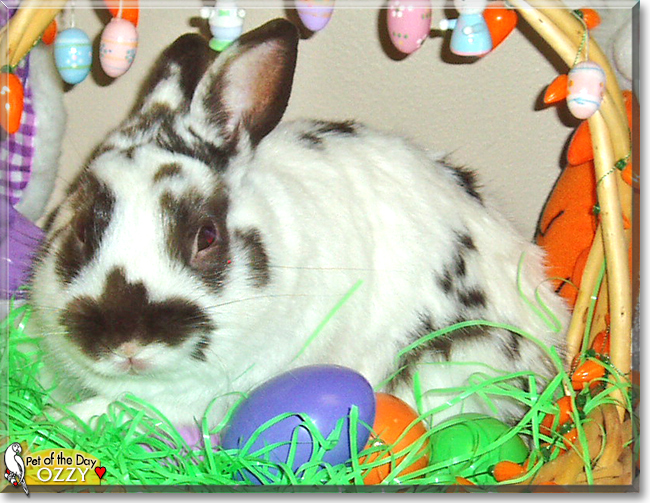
(207, 247)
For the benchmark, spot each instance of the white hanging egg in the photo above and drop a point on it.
(117, 47)
(226, 22)
(585, 89)
(73, 55)
(315, 14)
(409, 23)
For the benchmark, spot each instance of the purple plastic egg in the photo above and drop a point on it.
(315, 14)
(324, 393)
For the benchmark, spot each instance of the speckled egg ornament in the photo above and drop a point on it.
(73, 55)
(117, 47)
(409, 24)
(585, 89)
(315, 14)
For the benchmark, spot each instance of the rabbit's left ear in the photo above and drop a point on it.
(244, 93)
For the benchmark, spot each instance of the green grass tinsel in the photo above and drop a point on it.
(142, 450)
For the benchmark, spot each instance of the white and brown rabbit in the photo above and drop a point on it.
(205, 243)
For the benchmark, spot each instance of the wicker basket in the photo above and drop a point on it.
(609, 429)
(609, 434)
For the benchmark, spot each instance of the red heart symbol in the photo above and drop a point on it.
(501, 22)
(100, 471)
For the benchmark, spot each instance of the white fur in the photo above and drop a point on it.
(374, 211)
(366, 208)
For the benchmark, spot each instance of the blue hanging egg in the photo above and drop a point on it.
(73, 55)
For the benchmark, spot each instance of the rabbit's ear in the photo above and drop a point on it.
(174, 77)
(244, 93)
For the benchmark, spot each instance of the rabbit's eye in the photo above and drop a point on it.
(80, 227)
(206, 236)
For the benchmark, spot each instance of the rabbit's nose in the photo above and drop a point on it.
(129, 349)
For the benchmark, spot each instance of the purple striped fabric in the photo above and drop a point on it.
(17, 150)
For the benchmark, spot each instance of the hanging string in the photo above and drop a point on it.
(71, 17)
(620, 165)
(584, 43)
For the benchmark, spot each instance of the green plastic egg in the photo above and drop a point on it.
(466, 446)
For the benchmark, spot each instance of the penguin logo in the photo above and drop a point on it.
(15, 466)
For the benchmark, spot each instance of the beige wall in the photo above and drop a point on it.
(484, 113)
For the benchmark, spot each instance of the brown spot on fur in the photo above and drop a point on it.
(341, 128)
(466, 179)
(149, 121)
(183, 217)
(438, 349)
(460, 268)
(445, 282)
(190, 53)
(258, 260)
(93, 209)
(472, 297)
(169, 170)
(466, 241)
(510, 346)
(124, 313)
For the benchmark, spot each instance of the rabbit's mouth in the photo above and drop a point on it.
(134, 365)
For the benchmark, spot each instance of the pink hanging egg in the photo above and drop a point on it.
(409, 23)
(117, 47)
(315, 14)
(585, 89)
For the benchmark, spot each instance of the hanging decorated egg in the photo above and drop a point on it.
(585, 89)
(12, 102)
(226, 22)
(315, 14)
(117, 47)
(73, 55)
(321, 394)
(409, 23)
(395, 430)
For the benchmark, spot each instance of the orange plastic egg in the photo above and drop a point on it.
(392, 418)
